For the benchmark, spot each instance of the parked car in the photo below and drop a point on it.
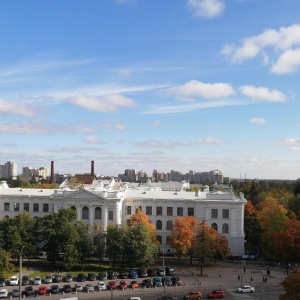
(89, 288)
(2, 281)
(67, 288)
(216, 294)
(166, 297)
(25, 280)
(161, 272)
(123, 275)
(3, 293)
(134, 284)
(15, 293)
(152, 272)
(48, 278)
(54, 289)
(80, 277)
(176, 280)
(142, 273)
(166, 281)
(156, 281)
(147, 283)
(170, 271)
(92, 276)
(133, 274)
(193, 295)
(78, 287)
(112, 275)
(133, 298)
(13, 280)
(123, 284)
(68, 278)
(102, 276)
(245, 289)
(101, 286)
(42, 290)
(111, 285)
(57, 278)
(37, 280)
(29, 290)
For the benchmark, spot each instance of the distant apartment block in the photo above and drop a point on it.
(8, 170)
(42, 172)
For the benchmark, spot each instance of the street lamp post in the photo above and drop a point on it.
(20, 273)
(164, 270)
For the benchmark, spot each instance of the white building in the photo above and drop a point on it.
(8, 170)
(114, 203)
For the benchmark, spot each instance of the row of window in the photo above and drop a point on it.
(85, 213)
(35, 207)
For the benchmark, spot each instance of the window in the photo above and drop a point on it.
(45, 207)
(225, 213)
(225, 228)
(36, 207)
(169, 225)
(180, 211)
(128, 210)
(98, 213)
(214, 213)
(159, 238)
(159, 225)
(190, 211)
(159, 210)
(149, 210)
(111, 215)
(16, 206)
(6, 206)
(26, 206)
(214, 226)
(73, 208)
(85, 213)
(169, 211)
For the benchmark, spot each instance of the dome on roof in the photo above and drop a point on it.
(3, 185)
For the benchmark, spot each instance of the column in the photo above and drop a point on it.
(105, 217)
(91, 213)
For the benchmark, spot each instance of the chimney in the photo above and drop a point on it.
(52, 172)
(92, 168)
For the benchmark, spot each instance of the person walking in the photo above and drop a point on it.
(220, 274)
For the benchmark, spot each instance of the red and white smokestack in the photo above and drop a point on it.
(92, 168)
(52, 172)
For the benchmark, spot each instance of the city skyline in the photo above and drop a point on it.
(185, 85)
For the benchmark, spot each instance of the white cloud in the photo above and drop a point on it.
(14, 108)
(292, 141)
(92, 140)
(106, 104)
(284, 44)
(206, 8)
(195, 88)
(125, 71)
(158, 144)
(209, 140)
(113, 124)
(262, 93)
(258, 120)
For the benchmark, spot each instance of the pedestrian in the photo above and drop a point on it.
(239, 277)
(220, 274)
(244, 270)
(251, 279)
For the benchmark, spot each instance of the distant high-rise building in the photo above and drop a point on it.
(8, 170)
(42, 172)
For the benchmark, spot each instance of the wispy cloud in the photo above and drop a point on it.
(106, 104)
(291, 141)
(158, 144)
(113, 124)
(206, 8)
(195, 88)
(14, 108)
(92, 140)
(263, 93)
(257, 120)
(284, 42)
(209, 140)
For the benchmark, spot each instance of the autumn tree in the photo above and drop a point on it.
(221, 250)
(5, 265)
(291, 285)
(182, 235)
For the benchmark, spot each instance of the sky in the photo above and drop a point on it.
(151, 84)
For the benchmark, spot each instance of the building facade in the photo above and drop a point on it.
(113, 202)
(8, 170)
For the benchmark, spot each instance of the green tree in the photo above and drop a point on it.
(84, 245)
(5, 265)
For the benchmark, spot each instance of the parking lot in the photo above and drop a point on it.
(191, 281)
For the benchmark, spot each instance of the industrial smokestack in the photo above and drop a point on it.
(52, 172)
(92, 168)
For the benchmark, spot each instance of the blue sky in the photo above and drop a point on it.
(151, 84)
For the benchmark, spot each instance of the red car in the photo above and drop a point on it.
(123, 284)
(111, 285)
(42, 290)
(216, 294)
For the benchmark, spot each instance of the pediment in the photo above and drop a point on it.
(81, 195)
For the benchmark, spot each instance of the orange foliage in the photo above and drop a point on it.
(291, 286)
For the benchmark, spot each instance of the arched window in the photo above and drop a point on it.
(214, 226)
(169, 225)
(73, 208)
(225, 228)
(85, 213)
(159, 238)
(98, 213)
(159, 225)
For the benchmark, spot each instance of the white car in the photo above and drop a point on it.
(13, 280)
(78, 287)
(245, 289)
(101, 286)
(37, 280)
(3, 293)
(48, 278)
(89, 287)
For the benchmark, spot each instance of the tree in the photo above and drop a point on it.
(221, 250)
(84, 245)
(291, 285)
(183, 232)
(5, 265)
